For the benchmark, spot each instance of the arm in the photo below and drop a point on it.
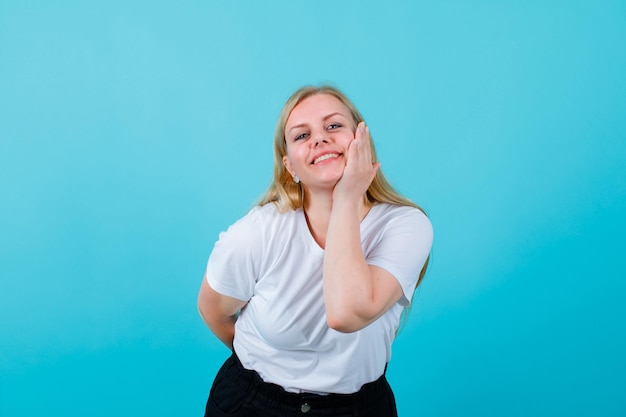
(219, 312)
(355, 293)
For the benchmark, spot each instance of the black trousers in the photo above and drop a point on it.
(239, 392)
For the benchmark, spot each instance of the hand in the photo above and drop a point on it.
(359, 170)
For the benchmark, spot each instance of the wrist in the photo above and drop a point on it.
(345, 203)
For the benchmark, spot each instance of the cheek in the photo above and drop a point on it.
(295, 156)
(346, 138)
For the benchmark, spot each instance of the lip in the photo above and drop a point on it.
(325, 153)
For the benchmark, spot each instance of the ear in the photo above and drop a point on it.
(288, 166)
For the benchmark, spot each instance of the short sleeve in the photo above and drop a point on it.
(403, 248)
(233, 266)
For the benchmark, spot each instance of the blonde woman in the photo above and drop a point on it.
(308, 288)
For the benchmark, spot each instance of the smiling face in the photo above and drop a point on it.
(318, 132)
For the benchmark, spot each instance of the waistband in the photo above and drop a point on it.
(273, 395)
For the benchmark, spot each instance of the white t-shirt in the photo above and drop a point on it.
(271, 261)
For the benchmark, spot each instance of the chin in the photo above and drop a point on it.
(331, 182)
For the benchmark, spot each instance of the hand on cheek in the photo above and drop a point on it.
(359, 170)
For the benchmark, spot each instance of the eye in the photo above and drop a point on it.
(334, 126)
(300, 136)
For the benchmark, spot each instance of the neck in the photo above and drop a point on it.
(318, 208)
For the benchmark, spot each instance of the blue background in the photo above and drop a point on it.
(132, 132)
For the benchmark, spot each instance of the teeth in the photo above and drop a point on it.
(325, 157)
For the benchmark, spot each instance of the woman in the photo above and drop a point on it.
(308, 288)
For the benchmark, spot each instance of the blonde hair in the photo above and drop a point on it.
(287, 195)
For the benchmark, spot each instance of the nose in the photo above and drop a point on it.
(320, 138)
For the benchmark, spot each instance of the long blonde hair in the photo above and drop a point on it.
(287, 195)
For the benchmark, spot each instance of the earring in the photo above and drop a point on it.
(296, 179)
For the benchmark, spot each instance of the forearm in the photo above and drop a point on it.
(348, 288)
(219, 312)
(223, 329)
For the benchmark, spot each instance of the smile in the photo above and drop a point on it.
(325, 157)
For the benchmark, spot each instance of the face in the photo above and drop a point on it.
(318, 133)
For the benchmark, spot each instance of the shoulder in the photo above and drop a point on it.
(396, 215)
(263, 219)
(247, 235)
(388, 208)
(269, 210)
(269, 214)
(257, 215)
(403, 225)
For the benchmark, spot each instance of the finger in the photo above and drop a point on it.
(374, 170)
(353, 150)
(367, 142)
(359, 150)
(360, 131)
(365, 146)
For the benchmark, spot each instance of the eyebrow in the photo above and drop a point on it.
(324, 119)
